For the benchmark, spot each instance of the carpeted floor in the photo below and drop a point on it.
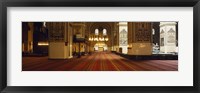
(99, 61)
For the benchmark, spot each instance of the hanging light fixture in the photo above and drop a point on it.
(106, 39)
(97, 37)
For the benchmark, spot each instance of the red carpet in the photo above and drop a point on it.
(99, 61)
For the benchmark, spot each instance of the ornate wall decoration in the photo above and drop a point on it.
(171, 36)
(123, 38)
(171, 39)
(56, 31)
(143, 32)
(162, 32)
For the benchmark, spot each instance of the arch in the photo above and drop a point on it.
(100, 46)
(100, 26)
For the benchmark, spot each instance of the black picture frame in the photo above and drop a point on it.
(100, 3)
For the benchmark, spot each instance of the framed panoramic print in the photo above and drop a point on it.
(99, 46)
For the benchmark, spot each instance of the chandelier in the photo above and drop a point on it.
(98, 38)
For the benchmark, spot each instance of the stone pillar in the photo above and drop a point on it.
(112, 40)
(27, 37)
(116, 37)
(70, 39)
(139, 38)
(167, 37)
(123, 37)
(30, 37)
(58, 40)
(25, 29)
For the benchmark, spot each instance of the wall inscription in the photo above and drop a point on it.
(143, 32)
(56, 31)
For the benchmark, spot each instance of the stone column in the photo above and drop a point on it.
(25, 29)
(30, 37)
(58, 40)
(116, 39)
(167, 37)
(70, 39)
(139, 38)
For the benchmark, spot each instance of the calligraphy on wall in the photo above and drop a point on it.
(143, 32)
(56, 31)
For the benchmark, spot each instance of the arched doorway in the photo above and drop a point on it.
(100, 47)
(99, 32)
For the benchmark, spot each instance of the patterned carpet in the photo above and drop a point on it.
(99, 61)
